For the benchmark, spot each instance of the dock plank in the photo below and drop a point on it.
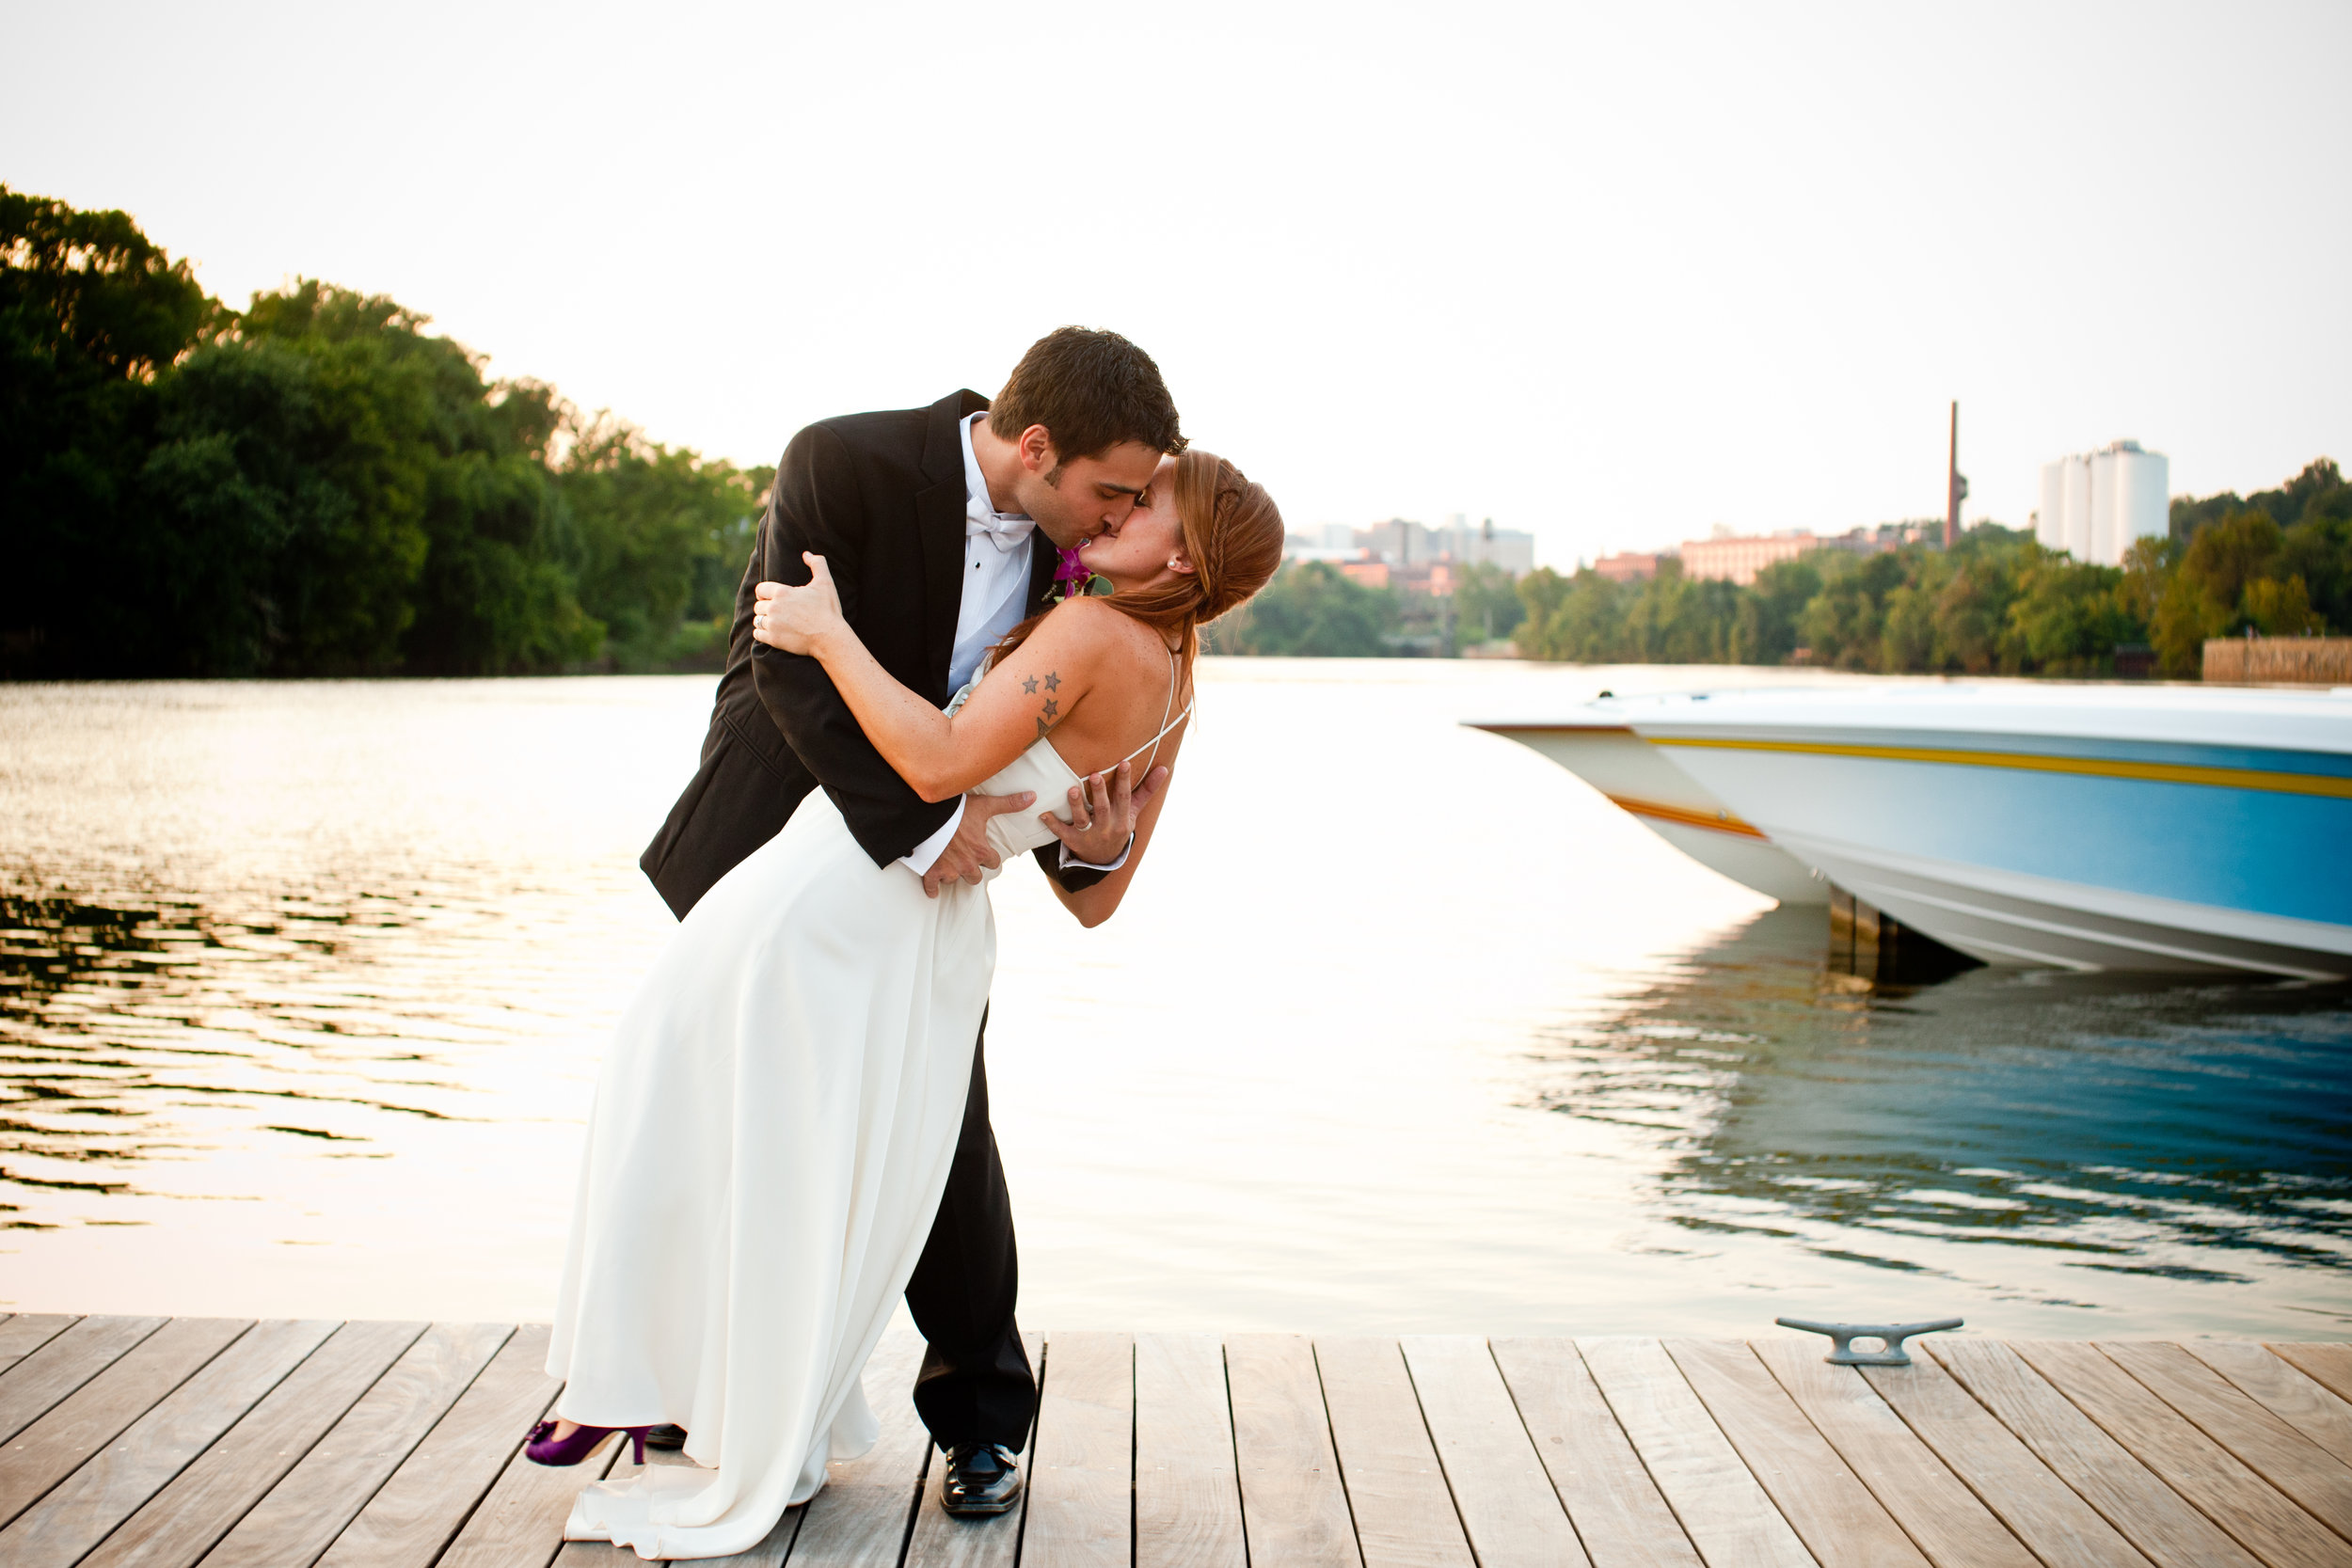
(1841, 1523)
(419, 1511)
(203, 1502)
(1944, 1519)
(36, 1385)
(299, 1518)
(2318, 1481)
(2141, 1508)
(101, 1409)
(2044, 1513)
(1293, 1508)
(1405, 1512)
(114, 1483)
(859, 1519)
(1509, 1507)
(2232, 1495)
(26, 1332)
(1620, 1517)
(941, 1541)
(1722, 1509)
(1082, 1480)
(521, 1524)
(2284, 1389)
(1187, 1491)
(2329, 1366)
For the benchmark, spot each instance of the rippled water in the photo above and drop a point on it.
(304, 987)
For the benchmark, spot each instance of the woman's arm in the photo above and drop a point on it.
(939, 755)
(1094, 905)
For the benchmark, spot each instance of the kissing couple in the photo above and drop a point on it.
(791, 1126)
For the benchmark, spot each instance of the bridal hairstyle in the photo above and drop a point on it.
(1234, 538)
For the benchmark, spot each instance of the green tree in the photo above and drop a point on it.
(1487, 605)
(664, 537)
(91, 313)
(1764, 625)
(1309, 610)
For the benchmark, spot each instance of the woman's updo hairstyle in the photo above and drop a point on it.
(1233, 536)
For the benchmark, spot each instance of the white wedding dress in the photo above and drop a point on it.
(771, 1135)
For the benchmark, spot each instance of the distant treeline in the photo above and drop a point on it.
(2278, 563)
(316, 487)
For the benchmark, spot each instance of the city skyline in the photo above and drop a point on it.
(1608, 277)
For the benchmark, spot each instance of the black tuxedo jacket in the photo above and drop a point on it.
(881, 498)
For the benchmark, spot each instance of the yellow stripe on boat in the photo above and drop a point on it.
(2102, 767)
(1722, 822)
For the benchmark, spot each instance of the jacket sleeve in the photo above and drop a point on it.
(1075, 879)
(815, 506)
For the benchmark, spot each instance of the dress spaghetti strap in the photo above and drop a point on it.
(1167, 724)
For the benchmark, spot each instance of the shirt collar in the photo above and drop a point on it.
(1006, 530)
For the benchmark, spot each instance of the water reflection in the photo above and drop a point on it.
(2189, 1133)
(303, 987)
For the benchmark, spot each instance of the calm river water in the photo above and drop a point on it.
(1404, 1028)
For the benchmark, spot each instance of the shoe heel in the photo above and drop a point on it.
(637, 1435)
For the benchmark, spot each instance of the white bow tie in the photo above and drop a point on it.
(1004, 531)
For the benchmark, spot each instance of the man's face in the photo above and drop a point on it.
(1075, 500)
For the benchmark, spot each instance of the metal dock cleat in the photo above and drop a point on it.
(1889, 1336)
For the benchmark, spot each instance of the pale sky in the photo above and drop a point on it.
(1609, 273)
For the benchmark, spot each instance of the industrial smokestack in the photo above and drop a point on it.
(1952, 490)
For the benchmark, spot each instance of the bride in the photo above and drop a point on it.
(780, 1106)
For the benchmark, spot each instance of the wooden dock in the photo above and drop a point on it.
(165, 1442)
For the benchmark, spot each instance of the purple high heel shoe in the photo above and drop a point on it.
(544, 1447)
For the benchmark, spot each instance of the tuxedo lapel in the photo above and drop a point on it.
(1043, 558)
(939, 519)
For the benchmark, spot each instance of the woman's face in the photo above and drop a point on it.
(1139, 549)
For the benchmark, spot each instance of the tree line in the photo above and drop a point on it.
(316, 485)
(2278, 563)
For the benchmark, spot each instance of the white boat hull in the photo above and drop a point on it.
(1635, 777)
(2080, 826)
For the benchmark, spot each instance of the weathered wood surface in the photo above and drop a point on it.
(1509, 1511)
(1294, 1506)
(1188, 1491)
(174, 1443)
(2284, 1389)
(2143, 1510)
(1620, 1518)
(1831, 1511)
(1404, 1516)
(2233, 1496)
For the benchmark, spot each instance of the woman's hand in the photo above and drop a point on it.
(798, 619)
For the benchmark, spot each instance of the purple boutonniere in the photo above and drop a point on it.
(1070, 577)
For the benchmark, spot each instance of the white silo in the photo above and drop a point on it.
(2077, 539)
(2049, 524)
(2104, 549)
(2142, 504)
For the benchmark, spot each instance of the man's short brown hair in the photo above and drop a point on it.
(1091, 390)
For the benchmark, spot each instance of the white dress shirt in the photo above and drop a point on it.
(997, 548)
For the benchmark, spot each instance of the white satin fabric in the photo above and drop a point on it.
(771, 1134)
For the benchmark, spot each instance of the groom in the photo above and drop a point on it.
(929, 518)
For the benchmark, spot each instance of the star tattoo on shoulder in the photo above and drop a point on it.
(1052, 681)
(1051, 706)
(1030, 686)
(1042, 727)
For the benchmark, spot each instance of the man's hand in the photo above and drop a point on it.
(969, 852)
(1103, 813)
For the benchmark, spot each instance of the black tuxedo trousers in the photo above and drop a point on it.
(881, 498)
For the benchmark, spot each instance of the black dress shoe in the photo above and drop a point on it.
(668, 1435)
(980, 1480)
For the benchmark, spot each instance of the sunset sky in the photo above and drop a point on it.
(1613, 274)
